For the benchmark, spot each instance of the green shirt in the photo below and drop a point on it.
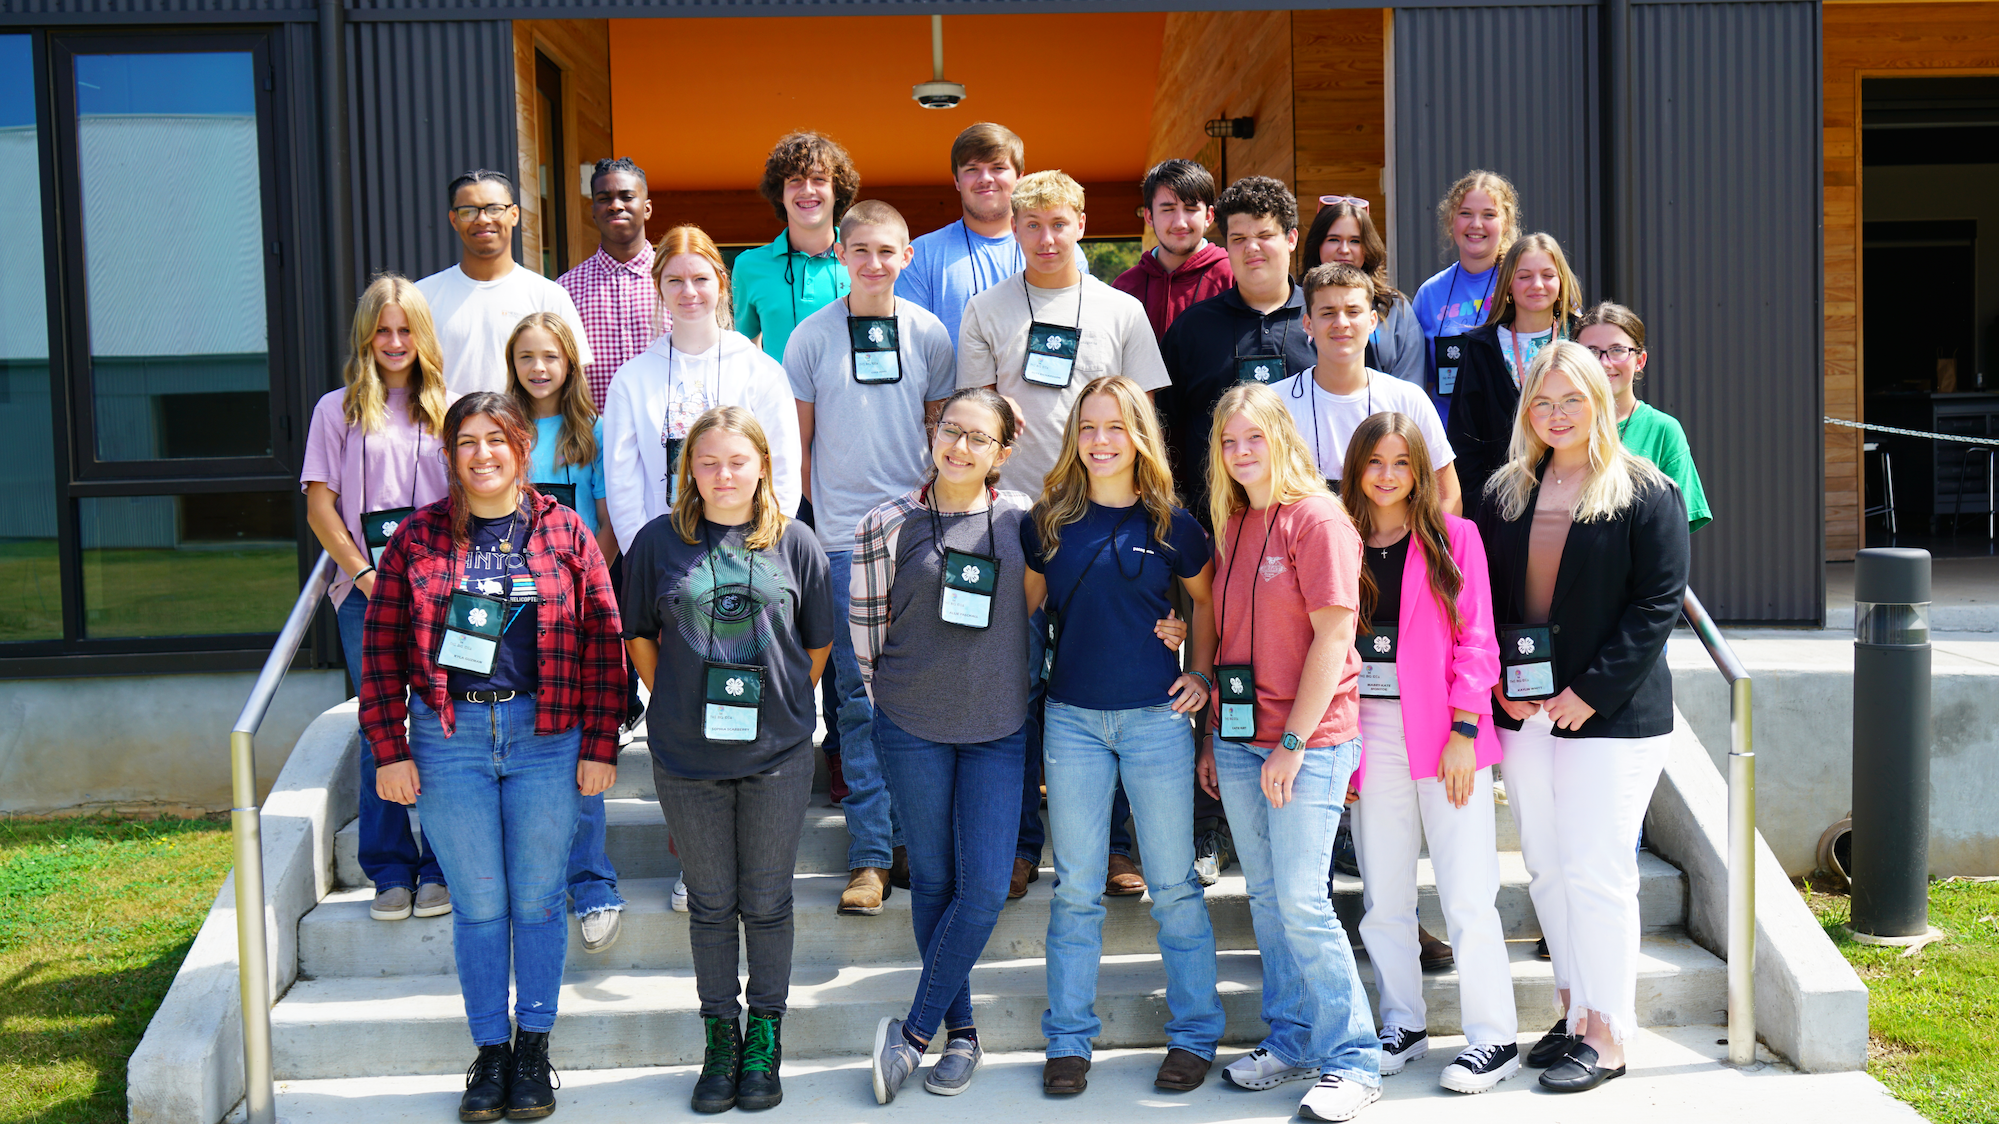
(771, 299)
(1658, 438)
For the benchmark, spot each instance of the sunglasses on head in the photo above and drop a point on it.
(1329, 200)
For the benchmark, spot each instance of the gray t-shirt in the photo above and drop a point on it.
(868, 440)
(715, 599)
(944, 682)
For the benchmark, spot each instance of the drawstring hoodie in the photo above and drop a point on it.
(1166, 295)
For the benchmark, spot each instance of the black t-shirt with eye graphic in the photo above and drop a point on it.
(714, 599)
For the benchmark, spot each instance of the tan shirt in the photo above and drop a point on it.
(1546, 536)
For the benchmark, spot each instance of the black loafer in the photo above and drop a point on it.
(1577, 1071)
(1551, 1047)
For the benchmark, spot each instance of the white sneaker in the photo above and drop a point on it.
(1399, 1047)
(600, 929)
(679, 895)
(1337, 1098)
(1260, 1069)
(1479, 1068)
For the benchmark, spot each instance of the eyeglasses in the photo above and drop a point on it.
(948, 434)
(490, 210)
(1614, 351)
(1329, 200)
(1571, 406)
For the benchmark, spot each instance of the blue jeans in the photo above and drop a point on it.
(1152, 750)
(1312, 996)
(873, 831)
(960, 827)
(499, 804)
(389, 851)
(593, 881)
(1033, 834)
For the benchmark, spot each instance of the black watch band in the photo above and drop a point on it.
(1468, 729)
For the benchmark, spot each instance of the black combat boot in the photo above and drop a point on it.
(721, 1066)
(763, 1052)
(535, 1082)
(487, 1082)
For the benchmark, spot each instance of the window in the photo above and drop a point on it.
(188, 565)
(30, 575)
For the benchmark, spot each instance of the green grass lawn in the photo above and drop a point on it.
(95, 918)
(1934, 1016)
(188, 592)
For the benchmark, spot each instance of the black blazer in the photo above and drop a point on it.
(1480, 425)
(1617, 594)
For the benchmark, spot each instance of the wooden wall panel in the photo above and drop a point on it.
(1882, 38)
(1226, 64)
(1339, 72)
(582, 48)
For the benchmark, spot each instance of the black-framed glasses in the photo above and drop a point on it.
(490, 210)
(980, 441)
(1615, 351)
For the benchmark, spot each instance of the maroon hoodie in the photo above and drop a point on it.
(1166, 295)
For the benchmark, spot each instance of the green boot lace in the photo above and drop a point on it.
(760, 1044)
(723, 1050)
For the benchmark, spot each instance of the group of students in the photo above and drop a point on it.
(1186, 553)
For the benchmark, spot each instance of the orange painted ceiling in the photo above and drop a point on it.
(698, 102)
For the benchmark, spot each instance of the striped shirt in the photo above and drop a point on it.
(619, 305)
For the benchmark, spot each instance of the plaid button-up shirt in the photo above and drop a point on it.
(620, 309)
(873, 569)
(581, 654)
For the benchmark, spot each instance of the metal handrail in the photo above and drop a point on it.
(1741, 836)
(253, 970)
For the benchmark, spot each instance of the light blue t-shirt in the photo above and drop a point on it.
(588, 478)
(955, 263)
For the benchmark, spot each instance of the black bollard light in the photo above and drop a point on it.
(1891, 743)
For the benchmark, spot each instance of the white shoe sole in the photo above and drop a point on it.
(882, 1093)
(1284, 1077)
(389, 915)
(950, 1090)
(1307, 1112)
(431, 911)
(1392, 1064)
(610, 938)
(1458, 1079)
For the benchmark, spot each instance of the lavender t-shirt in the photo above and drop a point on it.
(396, 466)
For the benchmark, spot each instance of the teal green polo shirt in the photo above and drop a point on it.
(776, 287)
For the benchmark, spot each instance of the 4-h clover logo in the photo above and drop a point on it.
(875, 333)
(1381, 644)
(734, 686)
(969, 573)
(388, 527)
(1054, 343)
(1525, 644)
(1262, 372)
(1235, 684)
(477, 618)
(1451, 351)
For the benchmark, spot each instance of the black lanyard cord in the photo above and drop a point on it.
(416, 464)
(1083, 575)
(1228, 576)
(937, 521)
(1027, 294)
(715, 582)
(973, 260)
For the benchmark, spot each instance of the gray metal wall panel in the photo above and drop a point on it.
(425, 102)
(1726, 265)
(1511, 90)
(166, 11)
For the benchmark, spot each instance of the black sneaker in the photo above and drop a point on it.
(1343, 853)
(487, 1082)
(721, 1066)
(763, 1052)
(533, 1094)
(1214, 852)
(1399, 1047)
(1478, 1068)
(1551, 1047)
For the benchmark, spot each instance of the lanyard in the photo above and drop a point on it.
(1300, 391)
(972, 259)
(715, 583)
(1082, 576)
(666, 440)
(1283, 338)
(1444, 312)
(792, 282)
(1519, 364)
(937, 524)
(416, 462)
(457, 568)
(1228, 576)
(1027, 294)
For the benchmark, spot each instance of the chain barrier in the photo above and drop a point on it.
(1914, 432)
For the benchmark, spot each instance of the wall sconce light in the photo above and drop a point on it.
(1235, 128)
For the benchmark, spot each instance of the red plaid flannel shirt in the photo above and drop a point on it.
(582, 655)
(620, 309)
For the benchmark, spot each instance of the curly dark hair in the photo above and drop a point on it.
(799, 153)
(1258, 197)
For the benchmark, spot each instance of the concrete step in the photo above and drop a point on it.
(354, 1027)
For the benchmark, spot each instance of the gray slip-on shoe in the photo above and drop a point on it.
(953, 1072)
(893, 1060)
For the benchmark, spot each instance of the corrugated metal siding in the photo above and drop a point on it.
(426, 101)
(167, 10)
(1511, 90)
(1726, 262)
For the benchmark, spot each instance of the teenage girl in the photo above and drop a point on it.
(373, 450)
(1287, 740)
(1429, 664)
(1615, 335)
(1479, 218)
(1539, 300)
(1343, 232)
(729, 620)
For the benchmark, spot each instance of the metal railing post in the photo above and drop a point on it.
(1741, 947)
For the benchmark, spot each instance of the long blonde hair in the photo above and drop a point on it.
(766, 518)
(1568, 303)
(1293, 473)
(1065, 493)
(1616, 473)
(365, 402)
(577, 445)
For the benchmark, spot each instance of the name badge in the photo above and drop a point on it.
(378, 527)
(1054, 637)
(1450, 356)
(733, 695)
(1527, 655)
(969, 581)
(1377, 663)
(1265, 369)
(1051, 354)
(875, 349)
(473, 623)
(565, 494)
(1236, 683)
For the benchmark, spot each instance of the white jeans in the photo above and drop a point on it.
(1396, 812)
(1580, 803)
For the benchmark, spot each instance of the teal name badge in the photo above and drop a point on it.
(378, 527)
(877, 358)
(969, 581)
(1527, 659)
(565, 494)
(1236, 683)
(1377, 663)
(733, 696)
(473, 623)
(1450, 356)
(1265, 369)
(1051, 354)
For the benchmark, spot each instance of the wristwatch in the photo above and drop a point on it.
(1292, 742)
(1468, 729)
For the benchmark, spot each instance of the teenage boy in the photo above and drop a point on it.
(810, 181)
(1102, 332)
(866, 371)
(476, 303)
(613, 288)
(1331, 399)
(1177, 201)
(957, 262)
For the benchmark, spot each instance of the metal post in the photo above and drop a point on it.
(1891, 743)
(252, 957)
(1741, 877)
(937, 48)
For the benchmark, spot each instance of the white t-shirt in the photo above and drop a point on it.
(1327, 420)
(474, 319)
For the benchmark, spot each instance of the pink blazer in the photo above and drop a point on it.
(1438, 673)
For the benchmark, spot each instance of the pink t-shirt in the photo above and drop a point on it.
(1310, 561)
(397, 466)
